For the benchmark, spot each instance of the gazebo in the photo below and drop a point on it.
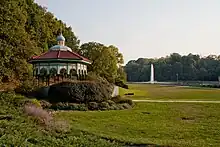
(59, 63)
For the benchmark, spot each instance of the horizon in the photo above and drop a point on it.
(148, 29)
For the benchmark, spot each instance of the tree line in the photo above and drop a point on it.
(175, 67)
(28, 29)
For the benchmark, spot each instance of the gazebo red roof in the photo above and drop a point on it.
(59, 54)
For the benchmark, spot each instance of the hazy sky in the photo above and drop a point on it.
(144, 28)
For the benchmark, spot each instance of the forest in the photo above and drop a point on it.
(175, 67)
(28, 29)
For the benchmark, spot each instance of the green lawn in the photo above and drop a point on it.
(147, 91)
(171, 124)
(174, 124)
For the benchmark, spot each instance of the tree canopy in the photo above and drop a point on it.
(106, 60)
(190, 67)
(27, 29)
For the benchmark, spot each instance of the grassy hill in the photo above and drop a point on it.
(18, 129)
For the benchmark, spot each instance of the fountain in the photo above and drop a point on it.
(152, 74)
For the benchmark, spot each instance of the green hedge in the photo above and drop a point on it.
(79, 92)
(93, 106)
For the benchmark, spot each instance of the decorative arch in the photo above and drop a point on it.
(73, 72)
(63, 72)
(53, 71)
(43, 71)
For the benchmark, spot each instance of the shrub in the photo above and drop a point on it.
(126, 106)
(93, 106)
(120, 100)
(26, 87)
(36, 103)
(110, 102)
(82, 107)
(104, 106)
(79, 92)
(69, 106)
(45, 104)
(94, 77)
(41, 115)
(128, 101)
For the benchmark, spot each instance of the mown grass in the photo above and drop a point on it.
(147, 91)
(172, 124)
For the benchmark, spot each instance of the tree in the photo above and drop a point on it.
(190, 67)
(106, 61)
(27, 29)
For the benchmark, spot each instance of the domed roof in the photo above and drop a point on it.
(61, 47)
(60, 37)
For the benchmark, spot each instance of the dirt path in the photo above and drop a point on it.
(175, 101)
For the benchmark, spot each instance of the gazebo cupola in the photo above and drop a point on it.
(59, 61)
(61, 40)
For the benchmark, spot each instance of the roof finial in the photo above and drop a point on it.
(61, 32)
(60, 38)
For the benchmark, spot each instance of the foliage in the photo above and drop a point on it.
(26, 87)
(94, 77)
(104, 106)
(175, 68)
(93, 106)
(79, 92)
(45, 104)
(28, 30)
(105, 60)
(120, 100)
(69, 106)
(36, 103)
(38, 113)
(16, 129)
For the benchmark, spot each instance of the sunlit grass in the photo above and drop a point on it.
(174, 124)
(147, 91)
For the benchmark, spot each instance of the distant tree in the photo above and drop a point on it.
(190, 67)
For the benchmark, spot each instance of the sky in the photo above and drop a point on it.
(144, 28)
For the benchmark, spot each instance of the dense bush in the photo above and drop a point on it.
(104, 106)
(110, 102)
(93, 106)
(94, 77)
(45, 104)
(26, 87)
(108, 105)
(38, 113)
(79, 92)
(121, 100)
(69, 106)
(36, 103)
